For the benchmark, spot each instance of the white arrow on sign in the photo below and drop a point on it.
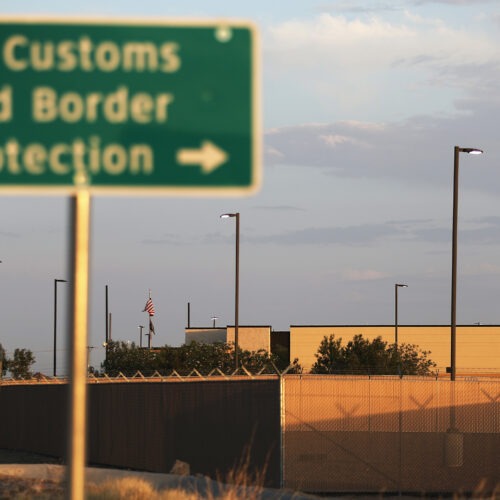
(209, 157)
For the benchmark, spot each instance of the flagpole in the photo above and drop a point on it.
(149, 308)
(149, 313)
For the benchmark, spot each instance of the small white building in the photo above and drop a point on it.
(250, 338)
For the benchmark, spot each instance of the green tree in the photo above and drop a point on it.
(330, 356)
(21, 363)
(3, 362)
(193, 356)
(411, 360)
(128, 359)
(371, 357)
(375, 357)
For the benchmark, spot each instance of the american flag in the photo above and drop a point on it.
(149, 307)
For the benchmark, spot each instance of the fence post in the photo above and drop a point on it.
(282, 430)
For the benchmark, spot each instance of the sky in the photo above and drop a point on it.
(362, 104)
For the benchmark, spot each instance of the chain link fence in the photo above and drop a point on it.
(334, 433)
(387, 434)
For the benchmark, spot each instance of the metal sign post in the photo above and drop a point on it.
(77, 411)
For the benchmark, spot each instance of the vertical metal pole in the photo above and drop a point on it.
(454, 267)
(107, 322)
(400, 426)
(237, 292)
(396, 314)
(110, 336)
(282, 431)
(56, 281)
(107, 312)
(55, 327)
(79, 266)
(189, 315)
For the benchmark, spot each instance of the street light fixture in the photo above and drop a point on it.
(56, 281)
(457, 152)
(236, 284)
(396, 286)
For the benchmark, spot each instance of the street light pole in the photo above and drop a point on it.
(56, 281)
(457, 152)
(236, 284)
(140, 334)
(396, 286)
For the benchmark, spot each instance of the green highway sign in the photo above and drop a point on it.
(119, 105)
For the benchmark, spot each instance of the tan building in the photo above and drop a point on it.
(250, 338)
(477, 348)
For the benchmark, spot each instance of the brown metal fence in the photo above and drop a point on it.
(148, 424)
(359, 434)
(315, 433)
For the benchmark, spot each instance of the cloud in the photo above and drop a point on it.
(347, 235)
(359, 39)
(361, 275)
(412, 230)
(453, 2)
(217, 237)
(334, 140)
(334, 67)
(166, 239)
(9, 234)
(406, 222)
(481, 231)
(327, 30)
(491, 220)
(273, 153)
(482, 268)
(417, 150)
(352, 6)
(284, 208)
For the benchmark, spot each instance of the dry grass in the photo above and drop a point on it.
(132, 488)
(241, 481)
(481, 492)
(129, 488)
(13, 487)
(239, 484)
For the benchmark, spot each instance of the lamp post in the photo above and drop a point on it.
(396, 286)
(457, 152)
(236, 284)
(214, 319)
(56, 281)
(141, 327)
